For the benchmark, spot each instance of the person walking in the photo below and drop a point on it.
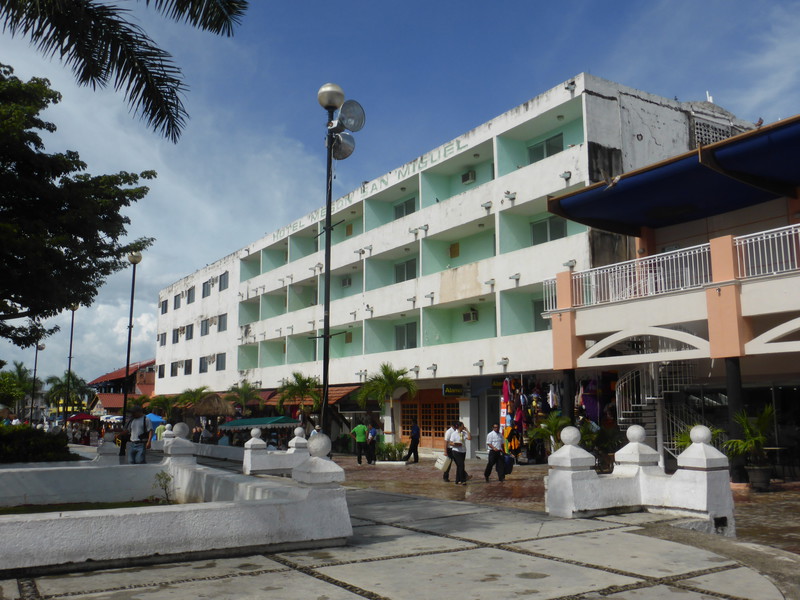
(372, 443)
(458, 445)
(448, 451)
(494, 444)
(359, 434)
(413, 448)
(140, 430)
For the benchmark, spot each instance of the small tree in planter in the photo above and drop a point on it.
(751, 446)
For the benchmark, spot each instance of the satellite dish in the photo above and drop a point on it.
(343, 145)
(352, 116)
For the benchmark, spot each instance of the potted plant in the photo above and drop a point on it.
(751, 446)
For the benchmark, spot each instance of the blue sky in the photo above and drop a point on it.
(251, 158)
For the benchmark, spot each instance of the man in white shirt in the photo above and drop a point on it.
(446, 472)
(141, 433)
(458, 447)
(494, 444)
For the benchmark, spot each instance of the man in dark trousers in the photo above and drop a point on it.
(447, 451)
(413, 448)
(494, 444)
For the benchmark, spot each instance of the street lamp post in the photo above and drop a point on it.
(339, 145)
(134, 258)
(73, 308)
(33, 385)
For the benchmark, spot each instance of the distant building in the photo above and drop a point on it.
(110, 387)
(442, 266)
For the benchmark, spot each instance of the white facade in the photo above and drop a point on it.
(438, 265)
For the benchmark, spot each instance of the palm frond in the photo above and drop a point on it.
(216, 16)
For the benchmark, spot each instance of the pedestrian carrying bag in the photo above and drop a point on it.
(443, 462)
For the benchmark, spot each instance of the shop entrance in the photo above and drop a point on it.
(434, 414)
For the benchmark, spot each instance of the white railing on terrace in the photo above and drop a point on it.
(682, 269)
(549, 286)
(768, 252)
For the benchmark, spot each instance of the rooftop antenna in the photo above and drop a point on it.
(709, 97)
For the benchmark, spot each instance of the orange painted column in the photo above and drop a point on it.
(646, 243)
(728, 331)
(567, 347)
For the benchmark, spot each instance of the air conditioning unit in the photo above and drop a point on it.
(183, 294)
(468, 177)
(213, 320)
(471, 316)
(212, 359)
(346, 282)
(214, 280)
(182, 330)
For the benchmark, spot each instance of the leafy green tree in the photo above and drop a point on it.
(191, 396)
(300, 389)
(102, 45)
(22, 375)
(244, 392)
(383, 385)
(11, 392)
(60, 228)
(549, 430)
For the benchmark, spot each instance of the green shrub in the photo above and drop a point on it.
(22, 443)
(390, 451)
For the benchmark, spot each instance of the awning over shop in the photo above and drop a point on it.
(738, 172)
(335, 394)
(261, 423)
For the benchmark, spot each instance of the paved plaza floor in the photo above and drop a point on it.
(481, 541)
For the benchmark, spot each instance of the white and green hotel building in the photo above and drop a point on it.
(438, 266)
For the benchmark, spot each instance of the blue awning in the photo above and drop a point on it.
(745, 170)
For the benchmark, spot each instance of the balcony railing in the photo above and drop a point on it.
(769, 252)
(683, 269)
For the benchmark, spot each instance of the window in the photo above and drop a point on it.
(222, 322)
(405, 208)
(405, 336)
(348, 337)
(548, 230)
(175, 336)
(176, 301)
(348, 230)
(549, 147)
(206, 288)
(162, 339)
(203, 327)
(161, 371)
(187, 367)
(223, 281)
(539, 322)
(405, 270)
(190, 295)
(203, 365)
(173, 369)
(455, 250)
(164, 307)
(220, 362)
(190, 331)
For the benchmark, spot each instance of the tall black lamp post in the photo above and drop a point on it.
(67, 400)
(33, 384)
(340, 145)
(134, 258)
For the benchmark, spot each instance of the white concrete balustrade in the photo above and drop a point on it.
(699, 490)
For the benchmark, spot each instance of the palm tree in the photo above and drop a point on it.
(167, 405)
(549, 430)
(191, 396)
(242, 393)
(70, 388)
(383, 385)
(23, 379)
(300, 388)
(102, 44)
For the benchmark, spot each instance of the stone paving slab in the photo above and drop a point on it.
(627, 552)
(475, 574)
(742, 582)
(499, 527)
(373, 542)
(9, 590)
(639, 518)
(357, 497)
(280, 584)
(171, 572)
(658, 592)
(413, 509)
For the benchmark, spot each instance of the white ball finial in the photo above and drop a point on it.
(570, 435)
(255, 432)
(636, 433)
(181, 430)
(299, 432)
(700, 434)
(319, 445)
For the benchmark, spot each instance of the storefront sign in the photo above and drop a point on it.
(452, 389)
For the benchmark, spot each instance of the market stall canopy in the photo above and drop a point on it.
(111, 418)
(82, 417)
(261, 423)
(741, 171)
(155, 419)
